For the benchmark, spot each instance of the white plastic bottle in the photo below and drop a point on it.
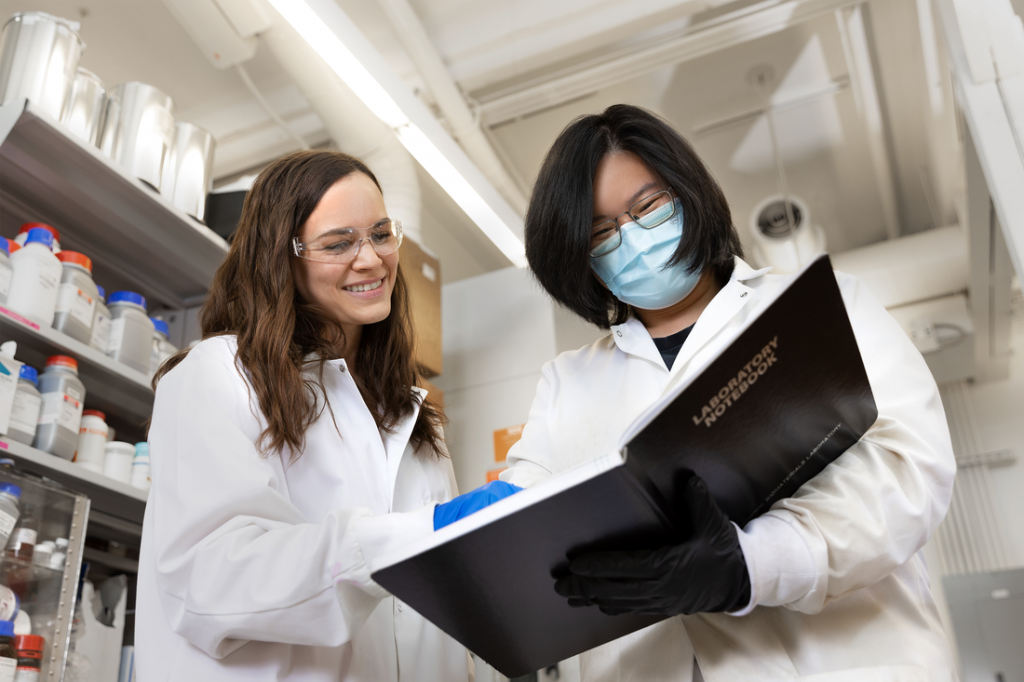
(36, 279)
(27, 402)
(10, 510)
(162, 346)
(131, 330)
(6, 272)
(61, 414)
(140, 466)
(76, 300)
(92, 439)
(26, 227)
(100, 338)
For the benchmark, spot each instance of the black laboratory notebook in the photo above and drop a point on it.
(777, 405)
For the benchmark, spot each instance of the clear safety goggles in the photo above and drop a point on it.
(342, 245)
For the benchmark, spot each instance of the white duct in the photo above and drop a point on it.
(354, 128)
(914, 268)
(465, 126)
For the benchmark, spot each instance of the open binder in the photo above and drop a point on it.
(768, 413)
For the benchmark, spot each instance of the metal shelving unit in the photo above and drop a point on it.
(136, 239)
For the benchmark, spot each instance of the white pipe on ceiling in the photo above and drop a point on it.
(465, 126)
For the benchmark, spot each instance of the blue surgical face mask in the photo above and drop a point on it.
(636, 271)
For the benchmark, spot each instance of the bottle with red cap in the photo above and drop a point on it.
(76, 299)
(30, 657)
(60, 415)
(36, 279)
(92, 441)
(27, 227)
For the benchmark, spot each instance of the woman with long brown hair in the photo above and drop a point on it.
(291, 448)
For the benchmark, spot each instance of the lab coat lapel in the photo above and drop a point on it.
(395, 444)
(632, 337)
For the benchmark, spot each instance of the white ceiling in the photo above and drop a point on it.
(507, 49)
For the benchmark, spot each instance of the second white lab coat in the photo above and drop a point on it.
(256, 568)
(840, 590)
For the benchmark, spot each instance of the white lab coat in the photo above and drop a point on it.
(255, 569)
(839, 587)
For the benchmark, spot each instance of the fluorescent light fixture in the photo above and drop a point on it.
(327, 43)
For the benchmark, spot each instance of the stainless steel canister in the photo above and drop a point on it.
(39, 56)
(85, 106)
(188, 178)
(138, 130)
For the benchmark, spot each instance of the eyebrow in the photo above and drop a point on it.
(343, 230)
(640, 193)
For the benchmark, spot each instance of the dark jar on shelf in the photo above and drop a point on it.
(8, 654)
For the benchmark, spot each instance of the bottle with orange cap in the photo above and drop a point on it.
(60, 415)
(76, 300)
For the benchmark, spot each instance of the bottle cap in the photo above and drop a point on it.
(3, 246)
(38, 234)
(6, 628)
(61, 543)
(27, 228)
(29, 373)
(11, 489)
(28, 643)
(161, 326)
(102, 291)
(12, 245)
(76, 258)
(62, 361)
(142, 449)
(94, 413)
(127, 297)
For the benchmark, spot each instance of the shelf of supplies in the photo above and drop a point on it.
(111, 386)
(135, 237)
(105, 494)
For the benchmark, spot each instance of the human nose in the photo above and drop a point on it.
(366, 257)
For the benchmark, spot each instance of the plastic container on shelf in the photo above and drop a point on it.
(92, 440)
(27, 403)
(100, 338)
(36, 279)
(60, 415)
(60, 553)
(6, 271)
(28, 227)
(162, 346)
(10, 510)
(131, 330)
(117, 461)
(43, 553)
(140, 467)
(75, 312)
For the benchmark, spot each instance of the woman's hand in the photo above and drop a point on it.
(707, 573)
(470, 502)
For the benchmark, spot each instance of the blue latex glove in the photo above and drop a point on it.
(470, 502)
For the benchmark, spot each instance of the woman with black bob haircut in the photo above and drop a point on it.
(629, 230)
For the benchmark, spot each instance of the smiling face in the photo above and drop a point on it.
(358, 292)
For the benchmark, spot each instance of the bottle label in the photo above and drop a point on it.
(7, 523)
(8, 668)
(5, 282)
(62, 409)
(80, 305)
(27, 674)
(25, 413)
(116, 336)
(100, 333)
(23, 536)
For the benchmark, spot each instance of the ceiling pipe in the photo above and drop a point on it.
(352, 126)
(465, 126)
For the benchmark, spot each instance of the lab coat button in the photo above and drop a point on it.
(618, 333)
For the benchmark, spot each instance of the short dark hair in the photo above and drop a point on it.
(559, 219)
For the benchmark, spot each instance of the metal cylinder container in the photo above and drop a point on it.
(39, 56)
(138, 130)
(84, 110)
(188, 177)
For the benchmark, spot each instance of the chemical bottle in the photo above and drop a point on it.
(76, 300)
(36, 279)
(5, 270)
(92, 439)
(27, 227)
(162, 346)
(140, 467)
(9, 368)
(60, 554)
(100, 338)
(10, 510)
(27, 402)
(60, 415)
(30, 657)
(131, 330)
(22, 542)
(8, 654)
(43, 553)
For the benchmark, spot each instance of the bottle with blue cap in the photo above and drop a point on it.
(100, 339)
(5, 271)
(10, 510)
(27, 403)
(162, 346)
(131, 330)
(35, 282)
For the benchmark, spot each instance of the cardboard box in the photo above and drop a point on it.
(423, 275)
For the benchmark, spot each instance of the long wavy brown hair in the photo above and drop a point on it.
(253, 296)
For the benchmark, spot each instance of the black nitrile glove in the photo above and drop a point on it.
(706, 573)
